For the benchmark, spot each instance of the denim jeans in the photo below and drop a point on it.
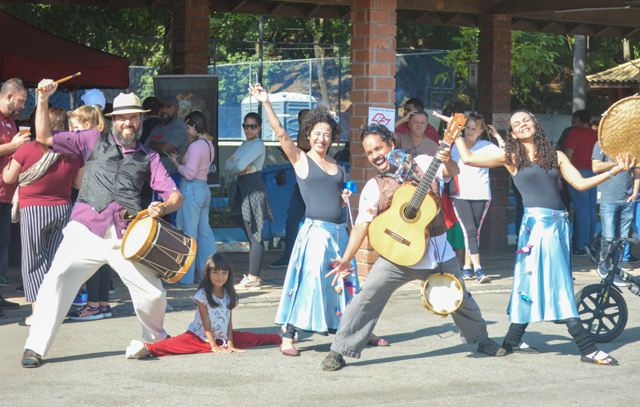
(616, 220)
(584, 213)
(193, 219)
(5, 237)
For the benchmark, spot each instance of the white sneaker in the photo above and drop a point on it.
(249, 283)
(136, 350)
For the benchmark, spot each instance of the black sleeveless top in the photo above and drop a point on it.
(321, 193)
(539, 187)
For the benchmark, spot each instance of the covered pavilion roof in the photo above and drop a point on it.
(616, 18)
(625, 75)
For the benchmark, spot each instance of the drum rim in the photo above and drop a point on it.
(137, 256)
(423, 294)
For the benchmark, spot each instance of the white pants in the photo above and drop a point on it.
(80, 254)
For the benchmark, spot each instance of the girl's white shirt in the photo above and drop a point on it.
(218, 317)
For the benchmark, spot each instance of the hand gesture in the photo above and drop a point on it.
(169, 148)
(346, 194)
(632, 198)
(174, 159)
(493, 132)
(219, 349)
(444, 118)
(19, 139)
(624, 162)
(156, 209)
(233, 349)
(444, 153)
(48, 87)
(341, 269)
(259, 93)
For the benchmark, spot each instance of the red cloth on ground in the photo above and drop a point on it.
(581, 140)
(54, 187)
(188, 343)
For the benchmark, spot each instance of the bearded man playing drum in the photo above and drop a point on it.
(116, 166)
(361, 314)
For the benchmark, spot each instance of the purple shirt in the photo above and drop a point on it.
(81, 144)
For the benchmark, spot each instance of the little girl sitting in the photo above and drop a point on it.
(211, 329)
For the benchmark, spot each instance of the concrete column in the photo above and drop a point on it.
(494, 97)
(190, 36)
(373, 67)
(579, 100)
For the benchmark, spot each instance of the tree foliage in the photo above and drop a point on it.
(138, 34)
(541, 63)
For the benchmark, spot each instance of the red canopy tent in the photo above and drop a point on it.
(31, 54)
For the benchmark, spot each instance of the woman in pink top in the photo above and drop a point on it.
(44, 201)
(193, 216)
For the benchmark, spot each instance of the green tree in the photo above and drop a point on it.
(138, 34)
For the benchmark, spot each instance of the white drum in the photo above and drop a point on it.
(159, 246)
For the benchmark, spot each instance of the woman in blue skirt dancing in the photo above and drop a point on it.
(542, 282)
(309, 302)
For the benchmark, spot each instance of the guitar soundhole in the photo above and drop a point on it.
(409, 214)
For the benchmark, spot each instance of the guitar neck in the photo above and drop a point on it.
(427, 179)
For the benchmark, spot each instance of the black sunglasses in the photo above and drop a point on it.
(250, 126)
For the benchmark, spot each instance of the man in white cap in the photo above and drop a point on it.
(116, 166)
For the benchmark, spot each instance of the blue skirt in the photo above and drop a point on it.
(542, 283)
(308, 301)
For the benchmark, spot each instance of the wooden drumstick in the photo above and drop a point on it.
(66, 78)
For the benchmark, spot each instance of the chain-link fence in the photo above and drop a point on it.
(294, 85)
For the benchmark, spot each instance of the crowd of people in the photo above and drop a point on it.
(132, 156)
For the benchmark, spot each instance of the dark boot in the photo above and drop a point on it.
(334, 361)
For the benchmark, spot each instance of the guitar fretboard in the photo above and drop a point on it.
(424, 186)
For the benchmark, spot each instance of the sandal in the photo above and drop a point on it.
(606, 360)
(377, 341)
(288, 349)
(525, 348)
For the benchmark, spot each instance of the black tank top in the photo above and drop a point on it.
(539, 187)
(321, 193)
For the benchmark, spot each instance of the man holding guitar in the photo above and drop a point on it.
(361, 314)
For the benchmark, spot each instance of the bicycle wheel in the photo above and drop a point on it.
(603, 311)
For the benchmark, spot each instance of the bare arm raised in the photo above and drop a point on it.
(623, 163)
(43, 126)
(292, 151)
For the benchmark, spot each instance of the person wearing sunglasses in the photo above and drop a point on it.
(248, 196)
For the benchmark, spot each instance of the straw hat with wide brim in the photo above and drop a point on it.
(126, 103)
(618, 131)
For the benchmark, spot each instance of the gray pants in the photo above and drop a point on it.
(362, 313)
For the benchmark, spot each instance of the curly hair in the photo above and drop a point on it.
(381, 131)
(544, 154)
(320, 115)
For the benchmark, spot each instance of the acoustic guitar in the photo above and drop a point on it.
(400, 233)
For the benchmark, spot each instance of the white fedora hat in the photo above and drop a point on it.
(126, 103)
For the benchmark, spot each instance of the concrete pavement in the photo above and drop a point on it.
(426, 363)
